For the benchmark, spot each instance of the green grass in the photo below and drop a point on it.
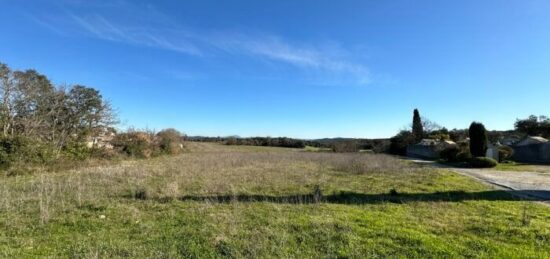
(317, 149)
(519, 167)
(220, 201)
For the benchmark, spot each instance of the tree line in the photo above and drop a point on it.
(334, 144)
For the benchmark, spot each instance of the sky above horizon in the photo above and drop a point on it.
(304, 69)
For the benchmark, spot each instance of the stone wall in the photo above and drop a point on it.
(422, 151)
(534, 153)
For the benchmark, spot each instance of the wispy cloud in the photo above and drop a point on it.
(276, 49)
(102, 28)
(170, 36)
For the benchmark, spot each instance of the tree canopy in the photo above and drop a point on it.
(32, 107)
(534, 126)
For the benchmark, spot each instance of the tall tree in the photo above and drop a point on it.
(417, 128)
(33, 102)
(478, 139)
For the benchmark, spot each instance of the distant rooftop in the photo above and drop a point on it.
(532, 140)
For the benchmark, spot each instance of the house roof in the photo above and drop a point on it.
(541, 139)
(448, 142)
(435, 142)
(428, 142)
(532, 140)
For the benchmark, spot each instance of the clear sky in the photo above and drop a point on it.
(305, 69)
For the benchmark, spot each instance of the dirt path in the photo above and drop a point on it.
(526, 184)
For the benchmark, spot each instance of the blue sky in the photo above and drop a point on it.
(305, 69)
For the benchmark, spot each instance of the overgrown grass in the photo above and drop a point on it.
(241, 201)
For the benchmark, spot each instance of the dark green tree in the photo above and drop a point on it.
(417, 128)
(399, 142)
(534, 126)
(478, 139)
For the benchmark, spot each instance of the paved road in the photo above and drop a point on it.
(525, 184)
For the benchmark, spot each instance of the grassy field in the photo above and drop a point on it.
(518, 167)
(258, 202)
(317, 149)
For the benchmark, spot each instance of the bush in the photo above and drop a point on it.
(23, 150)
(170, 141)
(77, 151)
(135, 144)
(140, 194)
(399, 143)
(344, 147)
(505, 153)
(450, 154)
(464, 156)
(482, 162)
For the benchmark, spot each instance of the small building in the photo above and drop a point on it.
(102, 140)
(429, 148)
(492, 151)
(445, 144)
(531, 140)
(532, 150)
(509, 141)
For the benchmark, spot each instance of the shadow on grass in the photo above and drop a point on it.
(359, 198)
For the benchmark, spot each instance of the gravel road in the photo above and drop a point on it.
(525, 184)
(531, 184)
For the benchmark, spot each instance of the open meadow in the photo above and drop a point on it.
(257, 202)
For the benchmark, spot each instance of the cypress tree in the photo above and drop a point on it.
(478, 139)
(417, 128)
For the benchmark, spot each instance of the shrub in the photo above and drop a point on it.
(464, 156)
(170, 141)
(399, 143)
(344, 147)
(136, 144)
(24, 150)
(77, 151)
(450, 154)
(140, 194)
(9, 147)
(482, 162)
(105, 153)
(505, 153)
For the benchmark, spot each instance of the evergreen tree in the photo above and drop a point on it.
(417, 128)
(478, 139)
